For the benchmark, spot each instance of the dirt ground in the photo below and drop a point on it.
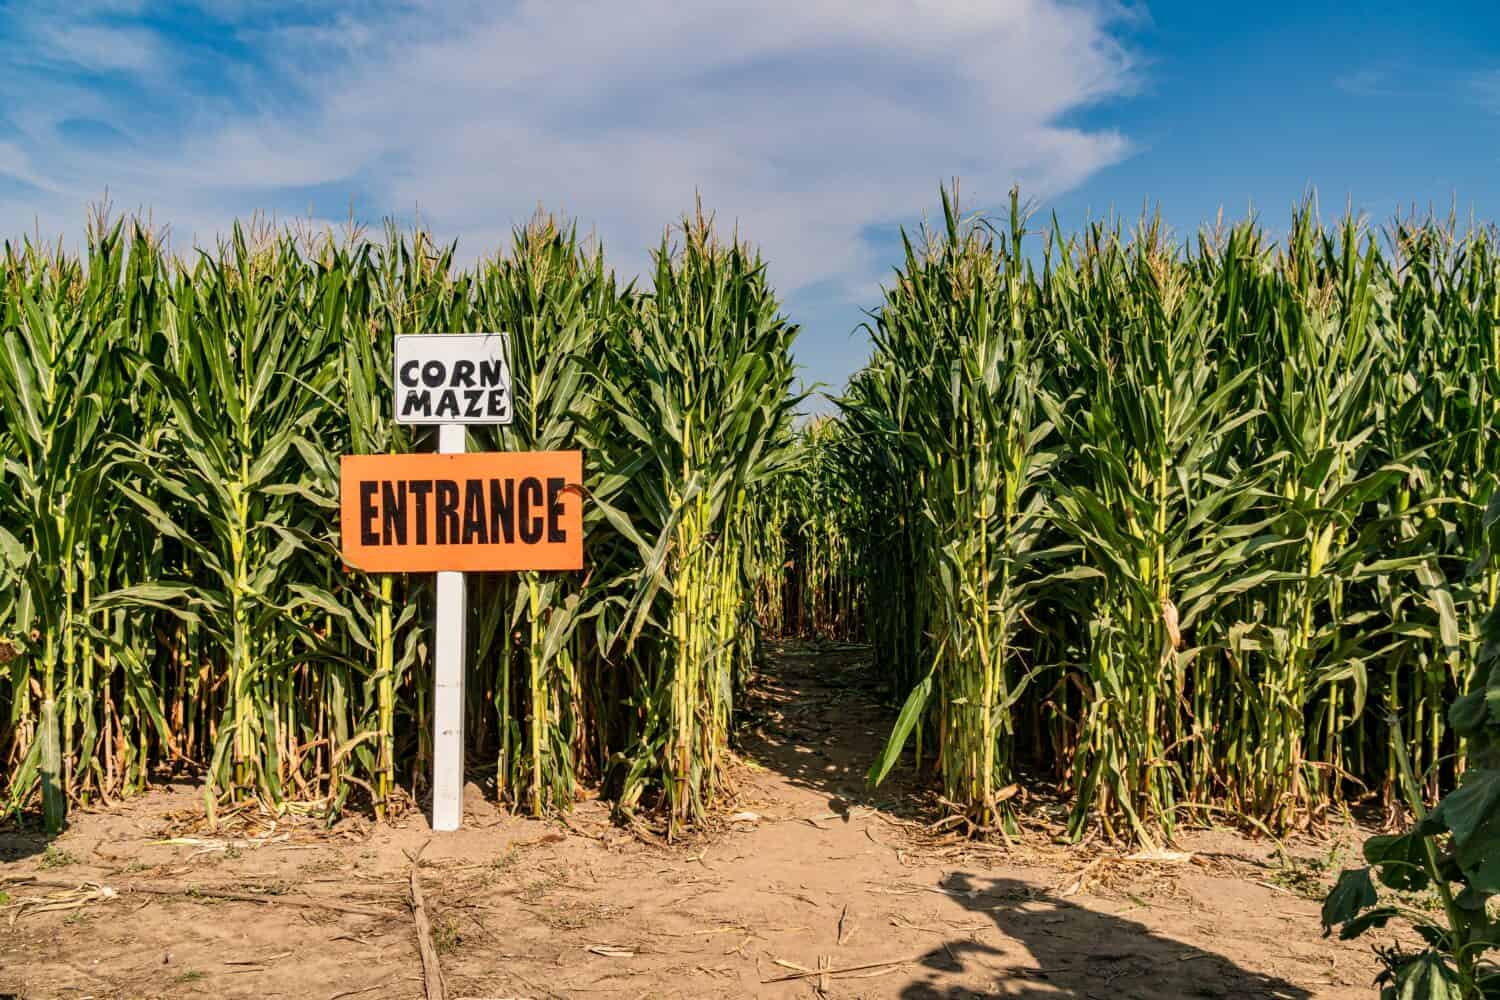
(807, 870)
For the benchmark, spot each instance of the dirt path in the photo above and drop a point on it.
(808, 868)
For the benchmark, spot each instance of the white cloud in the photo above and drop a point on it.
(102, 49)
(803, 121)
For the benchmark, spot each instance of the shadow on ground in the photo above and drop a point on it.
(1070, 951)
(18, 845)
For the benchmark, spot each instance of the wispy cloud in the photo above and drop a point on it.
(1479, 88)
(101, 49)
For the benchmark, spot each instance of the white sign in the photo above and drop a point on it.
(453, 378)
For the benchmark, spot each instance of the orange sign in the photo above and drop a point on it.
(498, 510)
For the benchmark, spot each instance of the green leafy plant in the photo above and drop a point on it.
(1453, 850)
(56, 857)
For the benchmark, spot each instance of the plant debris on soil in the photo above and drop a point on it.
(807, 884)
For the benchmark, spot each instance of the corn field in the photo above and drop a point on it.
(808, 583)
(1174, 528)
(171, 596)
(1178, 527)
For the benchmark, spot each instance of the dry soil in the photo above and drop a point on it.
(805, 870)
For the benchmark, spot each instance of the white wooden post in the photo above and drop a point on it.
(448, 669)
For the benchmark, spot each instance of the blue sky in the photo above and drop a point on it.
(819, 127)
